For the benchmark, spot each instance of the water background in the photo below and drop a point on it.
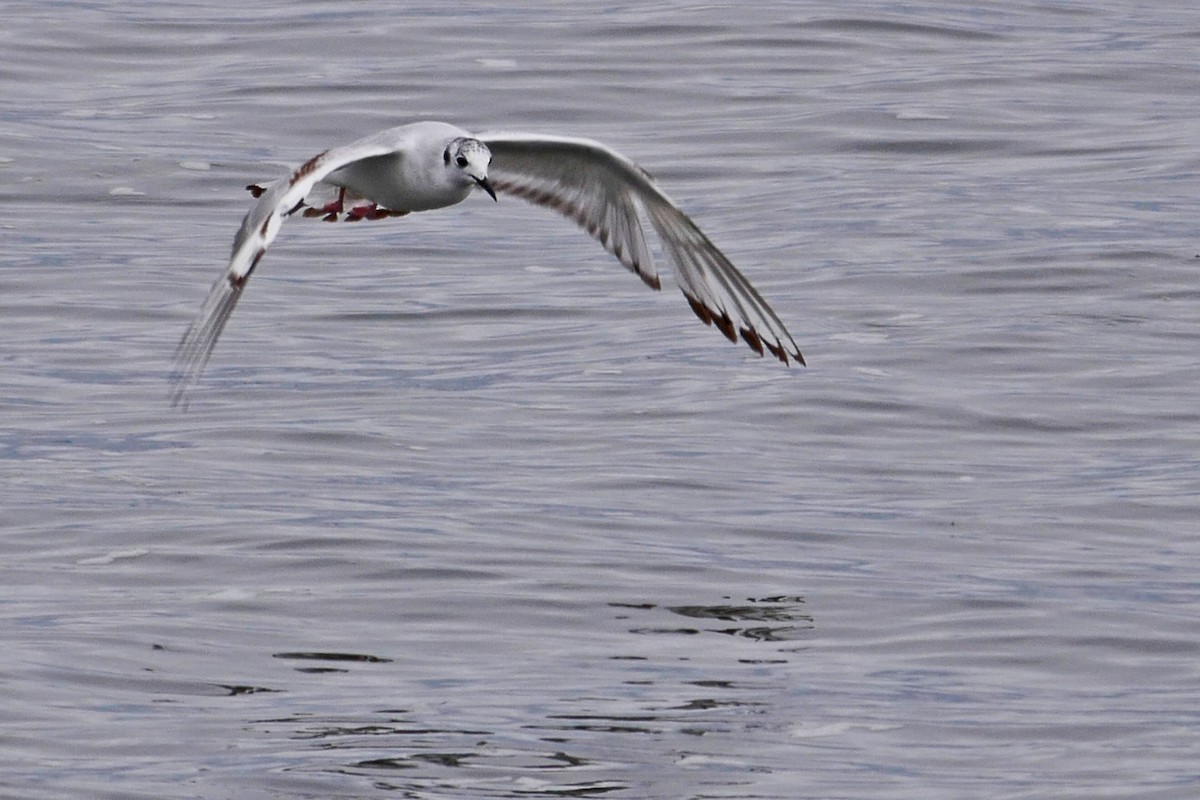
(462, 510)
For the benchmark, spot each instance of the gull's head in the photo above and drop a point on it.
(468, 160)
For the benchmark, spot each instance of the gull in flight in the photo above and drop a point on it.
(428, 165)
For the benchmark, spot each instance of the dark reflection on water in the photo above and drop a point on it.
(427, 756)
(357, 657)
(554, 737)
(770, 609)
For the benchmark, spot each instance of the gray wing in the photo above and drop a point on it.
(606, 194)
(258, 230)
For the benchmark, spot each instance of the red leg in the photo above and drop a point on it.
(333, 210)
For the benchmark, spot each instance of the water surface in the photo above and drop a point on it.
(462, 510)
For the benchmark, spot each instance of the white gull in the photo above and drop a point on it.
(428, 165)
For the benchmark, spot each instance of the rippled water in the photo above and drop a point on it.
(462, 510)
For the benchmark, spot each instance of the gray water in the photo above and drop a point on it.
(462, 510)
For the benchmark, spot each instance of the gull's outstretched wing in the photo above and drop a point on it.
(605, 193)
(258, 230)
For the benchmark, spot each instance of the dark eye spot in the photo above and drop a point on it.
(461, 161)
(446, 156)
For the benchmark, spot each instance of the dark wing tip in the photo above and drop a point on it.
(699, 309)
(751, 337)
(748, 335)
(725, 325)
(783, 355)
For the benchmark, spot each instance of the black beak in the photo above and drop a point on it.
(487, 187)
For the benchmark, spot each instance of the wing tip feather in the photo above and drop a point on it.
(756, 341)
(751, 337)
(699, 309)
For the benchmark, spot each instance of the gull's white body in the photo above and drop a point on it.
(396, 179)
(430, 165)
